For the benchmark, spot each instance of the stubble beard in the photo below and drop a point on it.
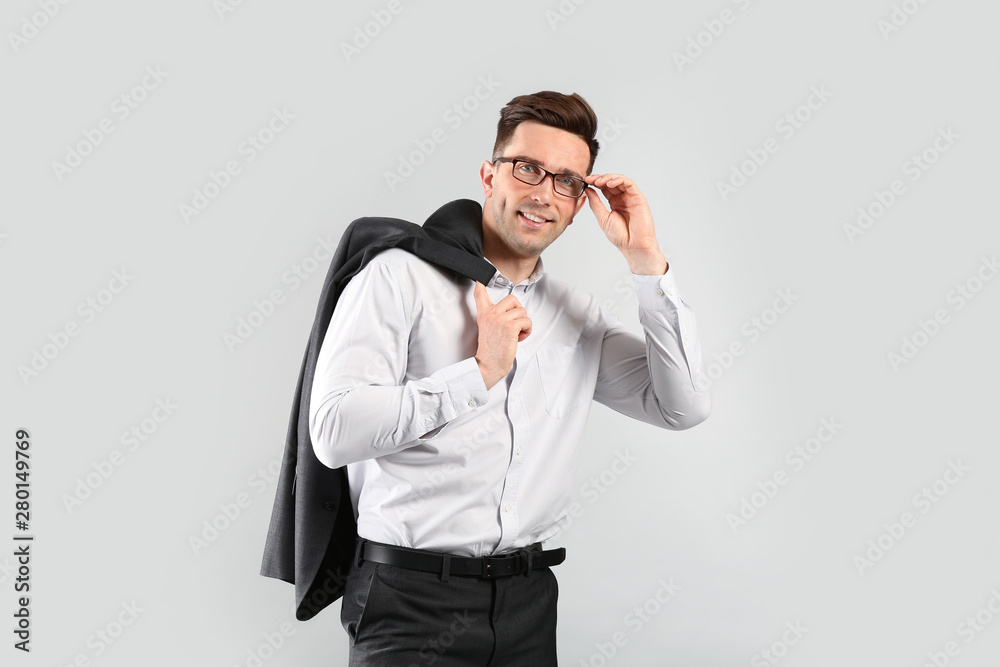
(516, 238)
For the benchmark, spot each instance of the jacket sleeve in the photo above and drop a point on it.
(360, 405)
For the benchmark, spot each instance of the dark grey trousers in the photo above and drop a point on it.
(403, 618)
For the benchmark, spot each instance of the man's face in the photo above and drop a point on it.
(508, 200)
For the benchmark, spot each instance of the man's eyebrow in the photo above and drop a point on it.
(527, 158)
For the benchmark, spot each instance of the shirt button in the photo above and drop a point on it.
(507, 509)
(670, 290)
(659, 292)
(472, 404)
(518, 451)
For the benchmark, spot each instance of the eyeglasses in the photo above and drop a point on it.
(532, 174)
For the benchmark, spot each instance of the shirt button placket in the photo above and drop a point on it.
(512, 479)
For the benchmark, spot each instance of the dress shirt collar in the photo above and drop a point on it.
(499, 280)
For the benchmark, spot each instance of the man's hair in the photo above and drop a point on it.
(565, 112)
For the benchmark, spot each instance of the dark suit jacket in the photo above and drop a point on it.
(311, 538)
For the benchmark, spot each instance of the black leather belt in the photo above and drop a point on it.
(485, 567)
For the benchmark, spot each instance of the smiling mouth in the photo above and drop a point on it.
(532, 220)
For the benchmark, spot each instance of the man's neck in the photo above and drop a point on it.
(514, 268)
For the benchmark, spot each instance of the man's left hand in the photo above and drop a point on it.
(629, 223)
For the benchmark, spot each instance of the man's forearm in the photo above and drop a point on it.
(365, 421)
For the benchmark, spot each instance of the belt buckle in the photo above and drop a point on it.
(487, 568)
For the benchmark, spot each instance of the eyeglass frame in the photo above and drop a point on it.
(545, 174)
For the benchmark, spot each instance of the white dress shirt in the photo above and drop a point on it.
(434, 459)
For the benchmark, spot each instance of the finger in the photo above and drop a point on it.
(482, 298)
(508, 303)
(596, 205)
(610, 182)
(512, 317)
(525, 330)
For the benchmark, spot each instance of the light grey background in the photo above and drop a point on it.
(678, 131)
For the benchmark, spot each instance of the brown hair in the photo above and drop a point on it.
(565, 112)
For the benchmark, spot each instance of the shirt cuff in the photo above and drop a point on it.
(657, 292)
(466, 388)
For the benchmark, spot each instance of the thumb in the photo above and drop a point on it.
(482, 298)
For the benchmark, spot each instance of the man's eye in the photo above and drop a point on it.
(527, 168)
(568, 181)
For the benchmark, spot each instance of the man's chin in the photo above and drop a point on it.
(533, 246)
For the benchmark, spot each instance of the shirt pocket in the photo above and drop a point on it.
(561, 371)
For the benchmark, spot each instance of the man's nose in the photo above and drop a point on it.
(542, 193)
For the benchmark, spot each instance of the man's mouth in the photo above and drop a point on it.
(532, 220)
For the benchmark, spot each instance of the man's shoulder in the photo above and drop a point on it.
(401, 258)
(405, 265)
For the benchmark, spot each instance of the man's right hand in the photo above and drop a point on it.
(501, 327)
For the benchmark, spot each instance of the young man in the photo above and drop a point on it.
(459, 408)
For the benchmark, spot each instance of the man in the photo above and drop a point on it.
(459, 408)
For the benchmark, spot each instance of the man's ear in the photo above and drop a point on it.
(486, 175)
